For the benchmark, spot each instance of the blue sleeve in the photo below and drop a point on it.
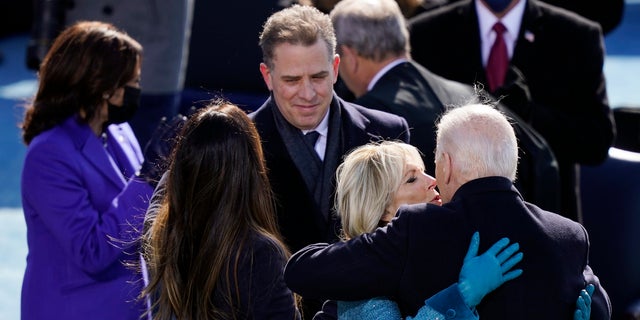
(378, 308)
(446, 304)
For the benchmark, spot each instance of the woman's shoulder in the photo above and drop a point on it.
(263, 280)
(70, 134)
(262, 259)
(265, 246)
(262, 263)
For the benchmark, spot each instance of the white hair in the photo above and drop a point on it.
(481, 141)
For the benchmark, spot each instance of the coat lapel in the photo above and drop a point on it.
(531, 28)
(470, 32)
(92, 150)
(437, 85)
(354, 125)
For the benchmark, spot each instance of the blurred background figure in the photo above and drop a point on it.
(543, 62)
(16, 17)
(376, 65)
(162, 27)
(608, 13)
(228, 70)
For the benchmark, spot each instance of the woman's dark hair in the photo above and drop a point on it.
(86, 61)
(217, 197)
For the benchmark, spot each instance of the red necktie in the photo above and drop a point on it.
(498, 59)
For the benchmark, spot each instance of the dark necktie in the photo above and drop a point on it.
(311, 137)
(498, 59)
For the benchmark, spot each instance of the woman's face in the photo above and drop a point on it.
(416, 187)
(117, 97)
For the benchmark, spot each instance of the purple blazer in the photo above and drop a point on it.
(76, 201)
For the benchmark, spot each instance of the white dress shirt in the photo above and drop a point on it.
(512, 21)
(383, 71)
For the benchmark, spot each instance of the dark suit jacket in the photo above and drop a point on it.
(261, 289)
(300, 220)
(421, 252)
(561, 56)
(420, 96)
(416, 94)
(608, 13)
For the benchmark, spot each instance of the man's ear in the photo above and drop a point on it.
(447, 165)
(349, 58)
(266, 75)
(336, 67)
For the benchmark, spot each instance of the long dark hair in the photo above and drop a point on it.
(86, 61)
(217, 196)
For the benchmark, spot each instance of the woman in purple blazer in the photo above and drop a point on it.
(81, 197)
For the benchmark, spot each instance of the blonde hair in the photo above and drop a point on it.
(367, 181)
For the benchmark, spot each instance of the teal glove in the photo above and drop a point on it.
(482, 274)
(583, 305)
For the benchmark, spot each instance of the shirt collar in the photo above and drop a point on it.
(383, 71)
(512, 20)
(323, 126)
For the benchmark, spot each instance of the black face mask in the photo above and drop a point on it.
(497, 6)
(130, 103)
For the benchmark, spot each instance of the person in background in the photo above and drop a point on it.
(213, 248)
(420, 252)
(409, 8)
(235, 78)
(546, 65)
(608, 13)
(376, 66)
(85, 181)
(373, 43)
(306, 128)
(162, 27)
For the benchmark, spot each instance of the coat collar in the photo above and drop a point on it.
(531, 28)
(91, 148)
(486, 184)
(447, 92)
(469, 30)
(353, 122)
